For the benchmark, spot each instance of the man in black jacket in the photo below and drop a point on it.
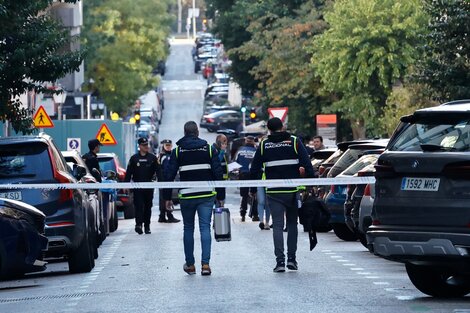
(282, 156)
(195, 160)
(91, 158)
(143, 167)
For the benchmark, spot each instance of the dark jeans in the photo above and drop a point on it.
(245, 195)
(284, 205)
(162, 205)
(143, 199)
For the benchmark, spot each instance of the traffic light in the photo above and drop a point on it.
(253, 114)
(137, 118)
(243, 109)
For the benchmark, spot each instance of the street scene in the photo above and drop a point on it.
(308, 180)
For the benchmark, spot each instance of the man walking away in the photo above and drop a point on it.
(143, 167)
(281, 155)
(91, 159)
(244, 157)
(164, 159)
(196, 160)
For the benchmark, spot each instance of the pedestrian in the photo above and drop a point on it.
(264, 213)
(143, 167)
(281, 155)
(318, 143)
(164, 159)
(220, 147)
(196, 160)
(244, 157)
(91, 159)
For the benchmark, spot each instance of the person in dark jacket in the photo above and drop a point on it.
(196, 160)
(91, 159)
(143, 167)
(244, 157)
(220, 146)
(282, 156)
(164, 159)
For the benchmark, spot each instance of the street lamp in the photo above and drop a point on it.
(59, 98)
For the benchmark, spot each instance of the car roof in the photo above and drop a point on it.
(70, 153)
(106, 155)
(453, 106)
(222, 112)
(372, 145)
(21, 139)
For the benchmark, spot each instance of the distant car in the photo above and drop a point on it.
(22, 239)
(69, 218)
(221, 120)
(124, 202)
(421, 212)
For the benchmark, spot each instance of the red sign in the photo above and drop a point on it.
(280, 113)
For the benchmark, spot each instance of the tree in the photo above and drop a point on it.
(446, 66)
(31, 54)
(126, 39)
(369, 46)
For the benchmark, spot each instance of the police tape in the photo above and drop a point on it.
(271, 183)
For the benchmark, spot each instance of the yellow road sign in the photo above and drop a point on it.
(41, 119)
(105, 136)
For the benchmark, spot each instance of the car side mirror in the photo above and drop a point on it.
(79, 171)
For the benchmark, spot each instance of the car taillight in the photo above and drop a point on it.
(209, 120)
(332, 188)
(375, 222)
(367, 191)
(384, 170)
(457, 170)
(65, 194)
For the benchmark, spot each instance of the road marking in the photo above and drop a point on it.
(349, 264)
(381, 283)
(342, 260)
(356, 269)
(363, 273)
(330, 253)
(336, 256)
(325, 250)
(373, 277)
(406, 298)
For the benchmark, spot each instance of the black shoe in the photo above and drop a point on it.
(147, 229)
(280, 267)
(162, 219)
(292, 264)
(138, 229)
(243, 218)
(255, 219)
(261, 225)
(172, 219)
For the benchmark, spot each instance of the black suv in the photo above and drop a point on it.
(421, 212)
(69, 221)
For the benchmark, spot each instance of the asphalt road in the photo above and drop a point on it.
(144, 273)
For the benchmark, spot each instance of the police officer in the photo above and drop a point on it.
(164, 159)
(196, 160)
(282, 155)
(143, 167)
(220, 146)
(244, 157)
(91, 158)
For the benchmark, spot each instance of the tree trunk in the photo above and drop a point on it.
(358, 129)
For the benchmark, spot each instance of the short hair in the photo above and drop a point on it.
(220, 137)
(318, 137)
(190, 129)
(275, 124)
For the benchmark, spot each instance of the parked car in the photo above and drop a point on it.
(94, 196)
(69, 218)
(221, 120)
(125, 197)
(421, 212)
(22, 239)
(363, 217)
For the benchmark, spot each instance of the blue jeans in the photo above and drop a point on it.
(203, 207)
(263, 207)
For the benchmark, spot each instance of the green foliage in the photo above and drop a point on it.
(446, 66)
(31, 54)
(369, 46)
(126, 39)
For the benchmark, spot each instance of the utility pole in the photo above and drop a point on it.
(194, 19)
(180, 16)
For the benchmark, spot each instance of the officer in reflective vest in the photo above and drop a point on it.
(220, 146)
(281, 156)
(195, 160)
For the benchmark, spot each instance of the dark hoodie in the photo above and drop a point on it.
(188, 143)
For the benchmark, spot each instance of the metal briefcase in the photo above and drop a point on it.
(222, 230)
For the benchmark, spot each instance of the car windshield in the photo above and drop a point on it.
(360, 164)
(25, 160)
(432, 134)
(107, 164)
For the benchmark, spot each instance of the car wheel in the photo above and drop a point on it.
(210, 130)
(437, 282)
(363, 239)
(82, 260)
(116, 220)
(343, 232)
(324, 228)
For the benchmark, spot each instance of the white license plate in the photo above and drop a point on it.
(12, 195)
(420, 183)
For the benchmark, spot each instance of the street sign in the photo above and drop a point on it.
(74, 144)
(326, 127)
(280, 113)
(41, 119)
(105, 136)
(191, 11)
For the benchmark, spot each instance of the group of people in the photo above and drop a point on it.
(280, 155)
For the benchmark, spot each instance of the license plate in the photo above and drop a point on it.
(12, 195)
(420, 184)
